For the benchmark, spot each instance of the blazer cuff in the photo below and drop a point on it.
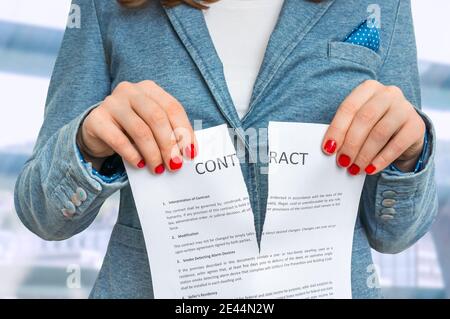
(118, 173)
(79, 186)
(404, 202)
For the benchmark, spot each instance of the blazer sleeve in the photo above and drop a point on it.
(397, 208)
(56, 196)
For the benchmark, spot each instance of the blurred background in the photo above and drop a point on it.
(30, 36)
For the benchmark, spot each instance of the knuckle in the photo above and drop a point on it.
(158, 117)
(394, 90)
(148, 83)
(372, 84)
(110, 102)
(379, 135)
(89, 125)
(174, 108)
(408, 107)
(396, 147)
(418, 122)
(95, 115)
(134, 94)
(348, 107)
(366, 116)
(124, 86)
(422, 127)
(141, 131)
(119, 143)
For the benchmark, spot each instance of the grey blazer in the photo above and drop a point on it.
(307, 71)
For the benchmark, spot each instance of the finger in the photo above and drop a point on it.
(364, 121)
(334, 137)
(177, 116)
(379, 137)
(143, 138)
(107, 131)
(403, 140)
(157, 120)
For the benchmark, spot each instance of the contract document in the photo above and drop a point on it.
(311, 212)
(199, 229)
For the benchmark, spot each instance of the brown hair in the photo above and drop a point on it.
(173, 3)
(166, 3)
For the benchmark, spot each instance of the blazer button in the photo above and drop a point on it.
(389, 194)
(67, 213)
(386, 217)
(70, 207)
(69, 210)
(388, 202)
(82, 196)
(75, 200)
(388, 211)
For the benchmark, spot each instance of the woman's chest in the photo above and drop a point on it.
(303, 77)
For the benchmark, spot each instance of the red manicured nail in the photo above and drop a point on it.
(159, 169)
(330, 146)
(190, 151)
(370, 169)
(344, 160)
(141, 164)
(354, 169)
(175, 163)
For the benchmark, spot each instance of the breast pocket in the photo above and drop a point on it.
(357, 55)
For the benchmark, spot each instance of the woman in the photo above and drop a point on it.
(137, 72)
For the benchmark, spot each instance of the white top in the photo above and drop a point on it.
(240, 31)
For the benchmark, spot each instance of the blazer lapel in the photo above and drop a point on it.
(192, 30)
(296, 19)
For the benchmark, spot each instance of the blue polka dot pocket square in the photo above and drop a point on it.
(366, 35)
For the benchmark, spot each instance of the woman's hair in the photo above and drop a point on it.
(172, 3)
(166, 3)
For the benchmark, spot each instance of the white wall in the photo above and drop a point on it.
(431, 20)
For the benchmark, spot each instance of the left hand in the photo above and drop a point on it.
(374, 127)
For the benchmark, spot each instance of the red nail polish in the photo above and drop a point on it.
(159, 169)
(344, 160)
(141, 164)
(190, 151)
(354, 169)
(330, 146)
(175, 163)
(370, 169)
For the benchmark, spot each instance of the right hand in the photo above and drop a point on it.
(143, 124)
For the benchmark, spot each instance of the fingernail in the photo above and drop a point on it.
(159, 169)
(370, 169)
(175, 163)
(330, 146)
(141, 164)
(344, 160)
(354, 169)
(189, 151)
